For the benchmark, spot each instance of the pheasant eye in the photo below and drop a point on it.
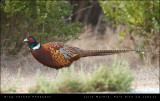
(30, 39)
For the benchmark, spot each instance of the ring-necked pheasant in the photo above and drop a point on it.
(57, 54)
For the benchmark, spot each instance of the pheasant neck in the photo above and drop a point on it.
(37, 46)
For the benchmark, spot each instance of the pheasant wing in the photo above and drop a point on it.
(72, 53)
(69, 52)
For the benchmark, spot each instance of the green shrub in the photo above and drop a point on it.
(64, 82)
(103, 78)
(47, 20)
(140, 18)
(120, 78)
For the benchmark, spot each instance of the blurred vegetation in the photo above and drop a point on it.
(53, 20)
(46, 20)
(59, 20)
(140, 17)
(116, 78)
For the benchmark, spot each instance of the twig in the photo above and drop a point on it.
(82, 10)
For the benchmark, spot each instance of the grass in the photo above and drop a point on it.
(8, 88)
(97, 78)
(117, 77)
(102, 78)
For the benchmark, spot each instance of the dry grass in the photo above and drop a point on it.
(146, 74)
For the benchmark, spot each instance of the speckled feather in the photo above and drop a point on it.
(86, 53)
(56, 54)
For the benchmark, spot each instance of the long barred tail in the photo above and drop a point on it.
(86, 53)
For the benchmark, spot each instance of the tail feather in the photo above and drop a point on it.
(105, 52)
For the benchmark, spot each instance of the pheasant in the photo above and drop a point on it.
(58, 55)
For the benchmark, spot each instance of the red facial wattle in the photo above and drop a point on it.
(30, 39)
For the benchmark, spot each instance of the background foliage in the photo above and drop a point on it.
(141, 18)
(57, 20)
(46, 20)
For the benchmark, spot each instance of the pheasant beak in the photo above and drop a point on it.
(25, 40)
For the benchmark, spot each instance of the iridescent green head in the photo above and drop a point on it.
(33, 44)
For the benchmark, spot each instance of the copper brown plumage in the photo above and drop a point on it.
(55, 55)
(58, 55)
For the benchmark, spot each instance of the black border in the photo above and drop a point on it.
(81, 96)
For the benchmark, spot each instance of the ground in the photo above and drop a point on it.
(146, 74)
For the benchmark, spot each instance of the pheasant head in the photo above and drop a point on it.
(33, 44)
